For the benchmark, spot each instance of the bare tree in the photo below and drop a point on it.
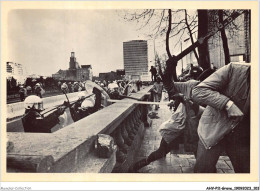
(227, 33)
(224, 38)
(188, 25)
(171, 23)
(202, 31)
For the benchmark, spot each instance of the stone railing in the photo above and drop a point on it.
(72, 149)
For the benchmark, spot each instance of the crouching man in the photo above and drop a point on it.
(225, 123)
(86, 105)
(34, 122)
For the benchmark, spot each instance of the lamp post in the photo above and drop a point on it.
(154, 51)
(181, 51)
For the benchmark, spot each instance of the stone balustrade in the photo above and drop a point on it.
(72, 149)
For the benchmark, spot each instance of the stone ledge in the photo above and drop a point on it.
(70, 145)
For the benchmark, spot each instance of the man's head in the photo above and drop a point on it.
(33, 102)
(158, 79)
(87, 103)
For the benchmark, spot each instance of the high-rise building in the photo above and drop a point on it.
(16, 71)
(14, 68)
(136, 59)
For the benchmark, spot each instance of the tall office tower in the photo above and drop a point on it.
(136, 59)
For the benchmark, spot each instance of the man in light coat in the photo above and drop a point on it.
(225, 123)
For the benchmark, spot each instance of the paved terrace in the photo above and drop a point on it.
(172, 163)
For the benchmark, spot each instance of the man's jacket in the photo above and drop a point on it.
(231, 82)
(189, 121)
(33, 122)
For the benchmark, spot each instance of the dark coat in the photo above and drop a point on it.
(34, 122)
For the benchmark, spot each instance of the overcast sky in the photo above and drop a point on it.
(42, 40)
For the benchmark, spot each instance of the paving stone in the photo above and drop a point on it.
(154, 131)
(158, 137)
(152, 168)
(147, 169)
(192, 162)
(229, 164)
(155, 143)
(187, 170)
(180, 162)
(155, 147)
(186, 156)
(228, 171)
(224, 158)
(163, 161)
(173, 169)
(138, 158)
(168, 155)
(143, 153)
(219, 170)
(222, 164)
(145, 142)
(147, 147)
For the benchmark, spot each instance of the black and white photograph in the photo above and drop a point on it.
(128, 90)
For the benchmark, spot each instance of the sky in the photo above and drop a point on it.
(42, 40)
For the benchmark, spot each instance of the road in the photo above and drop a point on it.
(48, 94)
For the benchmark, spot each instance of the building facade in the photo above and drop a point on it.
(75, 71)
(16, 71)
(238, 36)
(111, 76)
(136, 59)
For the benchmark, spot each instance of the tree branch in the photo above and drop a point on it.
(168, 33)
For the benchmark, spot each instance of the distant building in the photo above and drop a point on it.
(136, 59)
(239, 41)
(14, 68)
(111, 76)
(73, 63)
(75, 71)
(16, 71)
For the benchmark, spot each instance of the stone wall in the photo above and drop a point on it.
(72, 149)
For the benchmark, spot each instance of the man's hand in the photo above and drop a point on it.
(171, 104)
(61, 110)
(178, 97)
(233, 111)
(66, 103)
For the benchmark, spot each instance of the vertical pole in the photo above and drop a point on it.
(154, 51)
(181, 60)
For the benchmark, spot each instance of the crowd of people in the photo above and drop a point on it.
(92, 96)
(211, 117)
(117, 89)
(24, 91)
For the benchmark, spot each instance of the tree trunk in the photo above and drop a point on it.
(190, 34)
(171, 66)
(224, 38)
(204, 60)
(168, 33)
